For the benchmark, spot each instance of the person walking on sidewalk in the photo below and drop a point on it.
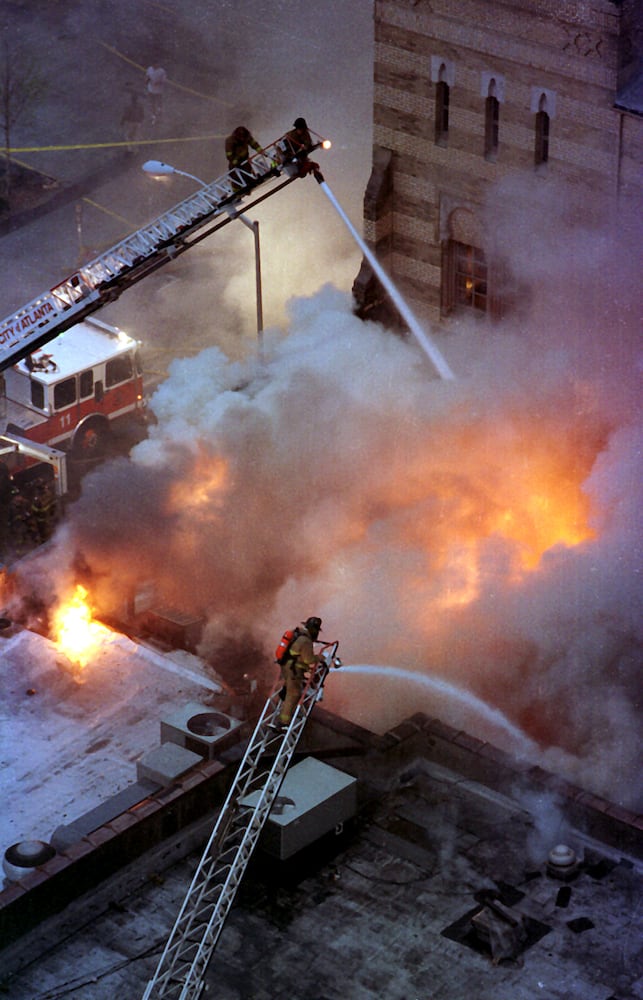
(156, 78)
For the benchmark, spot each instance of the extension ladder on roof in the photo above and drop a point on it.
(182, 966)
(105, 278)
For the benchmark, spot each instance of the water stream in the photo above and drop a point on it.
(465, 699)
(425, 342)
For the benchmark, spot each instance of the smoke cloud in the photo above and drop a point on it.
(484, 530)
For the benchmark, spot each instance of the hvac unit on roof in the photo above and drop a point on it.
(201, 729)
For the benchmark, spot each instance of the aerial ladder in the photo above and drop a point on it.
(105, 278)
(188, 951)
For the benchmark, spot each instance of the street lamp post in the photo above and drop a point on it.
(254, 226)
(159, 169)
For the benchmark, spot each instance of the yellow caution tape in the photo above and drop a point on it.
(172, 83)
(113, 145)
(108, 211)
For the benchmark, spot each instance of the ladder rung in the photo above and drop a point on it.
(234, 838)
(17, 330)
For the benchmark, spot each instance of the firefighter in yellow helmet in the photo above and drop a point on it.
(301, 657)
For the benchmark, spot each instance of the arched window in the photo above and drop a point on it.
(442, 108)
(464, 266)
(491, 122)
(541, 147)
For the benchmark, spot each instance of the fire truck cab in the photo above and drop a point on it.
(70, 396)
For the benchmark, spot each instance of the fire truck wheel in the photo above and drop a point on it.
(91, 438)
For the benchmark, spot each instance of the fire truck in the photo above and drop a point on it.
(71, 396)
(90, 376)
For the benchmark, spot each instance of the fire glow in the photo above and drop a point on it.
(500, 510)
(532, 524)
(202, 492)
(75, 632)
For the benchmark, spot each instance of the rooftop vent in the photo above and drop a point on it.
(315, 800)
(562, 863)
(201, 729)
(176, 628)
(21, 858)
(495, 927)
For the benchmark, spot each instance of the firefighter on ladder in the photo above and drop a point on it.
(301, 658)
(237, 148)
(297, 144)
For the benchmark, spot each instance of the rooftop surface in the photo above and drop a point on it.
(385, 908)
(70, 738)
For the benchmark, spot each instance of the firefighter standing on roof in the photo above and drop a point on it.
(301, 657)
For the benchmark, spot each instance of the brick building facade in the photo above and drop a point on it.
(467, 94)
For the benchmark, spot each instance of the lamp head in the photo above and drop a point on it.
(157, 168)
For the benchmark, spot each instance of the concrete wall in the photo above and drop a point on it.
(590, 814)
(431, 739)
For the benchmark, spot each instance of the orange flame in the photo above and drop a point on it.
(499, 510)
(203, 490)
(74, 631)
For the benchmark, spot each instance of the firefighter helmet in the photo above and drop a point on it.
(300, 123)
(314, 626)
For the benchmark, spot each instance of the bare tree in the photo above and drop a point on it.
(21, 87)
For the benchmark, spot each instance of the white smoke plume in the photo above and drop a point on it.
(548, 827)
(482, 530)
